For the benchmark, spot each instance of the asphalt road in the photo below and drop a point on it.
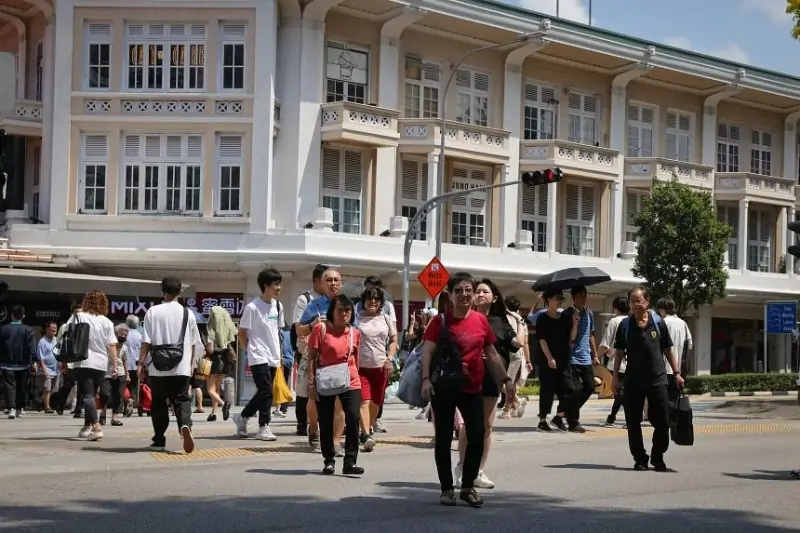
(734, 479)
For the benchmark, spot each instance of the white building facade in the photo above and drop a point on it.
(209, 137)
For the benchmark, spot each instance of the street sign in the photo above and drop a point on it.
(434, 278)
(780, 317)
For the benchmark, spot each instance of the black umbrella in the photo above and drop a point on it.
(566, 279)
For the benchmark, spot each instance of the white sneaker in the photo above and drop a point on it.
(84, 433)
(265, 433)
(95, 435)
(20, 413)
(457, 475)
(422, 415)
(483, 482)
(12, 415)
(188, 439)
(523, 402)
(378, 427)
(241, 425)
(278, 413)
(504, 415)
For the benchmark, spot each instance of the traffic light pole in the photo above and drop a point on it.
(413, 225)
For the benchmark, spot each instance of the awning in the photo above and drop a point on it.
(19, 279)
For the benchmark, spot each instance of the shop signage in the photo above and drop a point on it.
(204, 301)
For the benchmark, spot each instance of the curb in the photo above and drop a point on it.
(750, 393)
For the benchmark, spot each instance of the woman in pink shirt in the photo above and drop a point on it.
(335, 342)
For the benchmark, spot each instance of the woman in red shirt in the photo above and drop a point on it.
(453, 358)
(335, 342)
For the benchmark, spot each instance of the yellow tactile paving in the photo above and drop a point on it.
(427, 441)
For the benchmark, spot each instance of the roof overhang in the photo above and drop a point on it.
(49, 281)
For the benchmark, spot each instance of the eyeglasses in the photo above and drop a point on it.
(460, 290)
(372, 299)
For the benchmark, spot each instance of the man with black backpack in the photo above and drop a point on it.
(169, 338)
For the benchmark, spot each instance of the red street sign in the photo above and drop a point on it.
(434, 278)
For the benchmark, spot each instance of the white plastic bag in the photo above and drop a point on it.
(409, 390)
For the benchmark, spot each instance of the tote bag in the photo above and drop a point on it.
(281, 393)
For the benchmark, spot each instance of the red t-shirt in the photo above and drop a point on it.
(333, 349)
(471, 335)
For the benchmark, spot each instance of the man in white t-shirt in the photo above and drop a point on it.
(163, 325)
(621, 310)
(681, 339)
(260, 334)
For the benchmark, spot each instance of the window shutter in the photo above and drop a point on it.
(459, 176)
(234, 31)
(352, 171)
(177, 30)
(230, 147)
(529, 200)
(481, 81)
(99, 30)
(464, 79)
(431, 72)
(132, 145)
(95, 146)
(572, 211)
(587, 203)
(409, 186)
(331, 169)
(194, 146)
(135, 30)
(575, 101)
(685, 123)
(423, 183)
(174, 146)
(543, 195)
(156, 30)
(152, 146)
(590, 104)
(631, 207)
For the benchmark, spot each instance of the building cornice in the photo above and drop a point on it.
(517, 20)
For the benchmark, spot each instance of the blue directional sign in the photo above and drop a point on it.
(781, 317)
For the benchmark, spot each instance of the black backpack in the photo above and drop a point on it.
(166, 357)
(447, 375)
(292, 332)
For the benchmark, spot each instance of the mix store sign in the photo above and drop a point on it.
(120, 307)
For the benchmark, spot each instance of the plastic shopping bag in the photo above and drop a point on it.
(281, 393)
(410, 388)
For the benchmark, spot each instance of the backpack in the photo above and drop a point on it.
(447, 374)
(626, 322)
(73, 346)
(293, 332)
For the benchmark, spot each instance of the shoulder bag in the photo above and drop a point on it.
(73, 347)
(166, 357)
(447, 373)
(333, 380)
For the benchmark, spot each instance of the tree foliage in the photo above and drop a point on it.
(793, 9)
(682, 246)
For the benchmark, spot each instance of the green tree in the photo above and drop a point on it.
(793, 9)
(681, 246)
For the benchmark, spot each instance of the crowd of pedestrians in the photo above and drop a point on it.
(476, 346)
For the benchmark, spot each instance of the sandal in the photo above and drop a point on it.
(448, 498)
(115, 422)
(471, 497)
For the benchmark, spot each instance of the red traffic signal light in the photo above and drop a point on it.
(543, 177)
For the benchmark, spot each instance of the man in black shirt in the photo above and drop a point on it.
(644, 337)
(552, 339)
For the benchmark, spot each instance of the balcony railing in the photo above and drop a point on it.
(741, 185)
(23, 111)
(573, 158)
(359, 124)
(478, 143)
(646, 169)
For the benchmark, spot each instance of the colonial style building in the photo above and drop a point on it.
(210, 136)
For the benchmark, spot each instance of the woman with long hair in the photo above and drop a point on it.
(91, 372)
(489, 302)
(219, 348)
(334, 342)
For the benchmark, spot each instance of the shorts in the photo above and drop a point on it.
(373, 384)
(196, 383)
(45, 383)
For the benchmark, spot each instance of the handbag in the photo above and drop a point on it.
(333, 380)
(281, 393)
(203, 369)
(409, 390)
(166, 357)
(73, 347)
(681, 421)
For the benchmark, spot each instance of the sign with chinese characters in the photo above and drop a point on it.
(434, 278)
(204, 301)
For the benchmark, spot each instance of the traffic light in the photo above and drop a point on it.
(794, 249)
(543, 177)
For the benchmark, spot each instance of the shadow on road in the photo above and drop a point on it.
(763, 475)
(585, 466)
(394, 510)
(283, 472)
